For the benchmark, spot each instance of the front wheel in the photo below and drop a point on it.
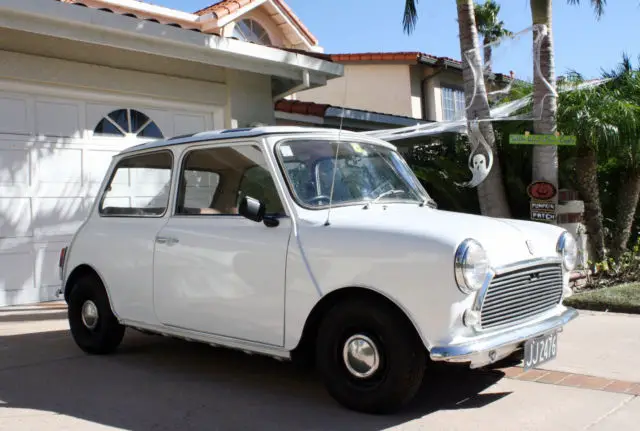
(93, 325)
(370, 357)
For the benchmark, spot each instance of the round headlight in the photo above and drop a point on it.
(568, 250)
(471, 266)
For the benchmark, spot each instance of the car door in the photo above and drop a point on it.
(119, 242)
(215, 271)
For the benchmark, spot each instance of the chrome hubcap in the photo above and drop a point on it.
(89, 314)
(361, 356)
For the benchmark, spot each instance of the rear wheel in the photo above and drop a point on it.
(370, 356)
(93, 326)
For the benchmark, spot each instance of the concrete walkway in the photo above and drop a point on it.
(154, 383)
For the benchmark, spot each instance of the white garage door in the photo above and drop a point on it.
(53, 154)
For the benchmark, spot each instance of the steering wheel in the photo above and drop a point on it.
(319, 198)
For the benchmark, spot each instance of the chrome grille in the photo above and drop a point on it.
(521, 294)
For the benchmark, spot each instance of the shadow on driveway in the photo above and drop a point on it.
(158, 383)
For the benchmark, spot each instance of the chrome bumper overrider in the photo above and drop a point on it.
(493, 348)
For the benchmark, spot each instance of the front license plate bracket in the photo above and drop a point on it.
(540, 350)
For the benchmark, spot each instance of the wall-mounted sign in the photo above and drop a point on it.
(541, 191)
(527, 139)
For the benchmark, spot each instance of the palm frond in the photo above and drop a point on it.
(410, 16)
(597, 5)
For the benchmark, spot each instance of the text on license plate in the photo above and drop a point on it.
(539, 350)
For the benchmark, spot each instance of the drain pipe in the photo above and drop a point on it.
(306, 83)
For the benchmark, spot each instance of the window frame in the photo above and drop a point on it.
(454, 89)
(291, 189)
(261, 25)
(126, 133)
(105, 190)
(214, 145)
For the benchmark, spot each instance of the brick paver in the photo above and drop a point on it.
(571, 379)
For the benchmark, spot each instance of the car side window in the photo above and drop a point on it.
(213, 180)
(139, 186)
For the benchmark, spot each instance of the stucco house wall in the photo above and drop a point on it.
(373, 87)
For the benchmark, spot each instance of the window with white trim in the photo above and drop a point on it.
(250, 30)
(453, 104)
(128, 122)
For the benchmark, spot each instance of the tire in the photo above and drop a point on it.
(105, 334)
(402, 356)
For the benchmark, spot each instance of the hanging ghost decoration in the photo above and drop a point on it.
(479, 164)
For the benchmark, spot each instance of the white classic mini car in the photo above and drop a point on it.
(314, 243)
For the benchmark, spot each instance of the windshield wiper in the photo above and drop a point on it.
(381, 195)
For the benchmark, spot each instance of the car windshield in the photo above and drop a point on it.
(365, 173)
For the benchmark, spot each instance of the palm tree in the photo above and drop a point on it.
(489, 27)
(603, 121)
(491, 192)
(625, 81)
(545, 107)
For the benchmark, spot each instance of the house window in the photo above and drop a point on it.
(125, 122)
(453, 104)
(251, 31)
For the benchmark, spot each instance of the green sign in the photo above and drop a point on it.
(542, 140)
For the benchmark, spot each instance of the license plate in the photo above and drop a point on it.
(540, 350)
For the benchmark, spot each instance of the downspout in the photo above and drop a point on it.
(306, 84)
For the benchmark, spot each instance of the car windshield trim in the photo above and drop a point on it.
(406, 177)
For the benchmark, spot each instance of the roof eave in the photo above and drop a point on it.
(55, 19)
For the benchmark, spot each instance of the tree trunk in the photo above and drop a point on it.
(588, 187)
(628, 194)
(487, 56)
(491, 192)
(545, 107)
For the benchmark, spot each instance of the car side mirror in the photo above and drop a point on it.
(251, 208)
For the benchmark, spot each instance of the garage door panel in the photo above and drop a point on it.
(57, 165)
(15, 217)
(17, 271)
(58, 119)
(57, 216)
(14, 116)
(46, 263)
(14, 166)
(184, 123)
(95, 164)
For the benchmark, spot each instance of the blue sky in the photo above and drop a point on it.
(581, 42)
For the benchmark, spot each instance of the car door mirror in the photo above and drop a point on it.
(251, 208)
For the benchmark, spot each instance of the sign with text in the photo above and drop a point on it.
(543, 211)
(526, 139)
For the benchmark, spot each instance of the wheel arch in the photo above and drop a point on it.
(306, 343)
(78, 272)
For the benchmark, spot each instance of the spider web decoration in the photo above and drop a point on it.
(509, 93)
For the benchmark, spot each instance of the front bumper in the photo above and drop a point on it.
(490, 349)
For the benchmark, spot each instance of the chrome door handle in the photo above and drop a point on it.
(166, 240)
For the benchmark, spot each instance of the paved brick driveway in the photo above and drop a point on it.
(155, 383)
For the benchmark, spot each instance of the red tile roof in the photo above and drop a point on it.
(302, 108)
(320, 109)
(389, 56)
(227, 7)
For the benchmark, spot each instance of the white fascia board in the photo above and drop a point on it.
(238, 13)
(55, 19)
(295, 28)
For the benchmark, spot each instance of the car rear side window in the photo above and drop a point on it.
(139, 186)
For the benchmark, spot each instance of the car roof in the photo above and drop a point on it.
(219, 135)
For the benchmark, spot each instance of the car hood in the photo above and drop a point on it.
(505, 240)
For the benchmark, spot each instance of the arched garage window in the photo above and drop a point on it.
(123, 122)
